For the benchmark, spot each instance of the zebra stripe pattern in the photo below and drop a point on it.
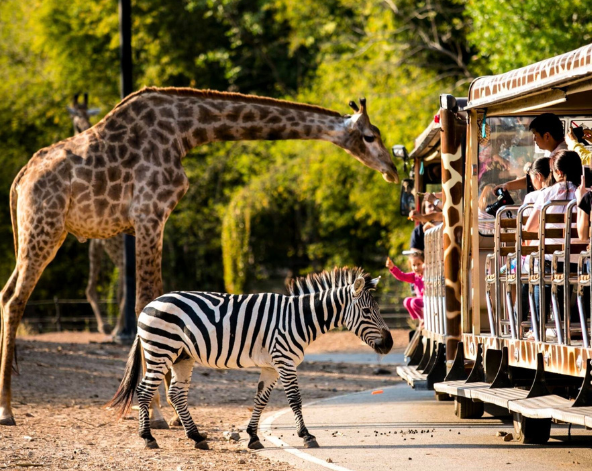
(269, 331)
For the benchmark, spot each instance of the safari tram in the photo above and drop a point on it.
(482, 342)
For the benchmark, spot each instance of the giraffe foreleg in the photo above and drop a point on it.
(177, 396)
(289, 379)
(267, 381)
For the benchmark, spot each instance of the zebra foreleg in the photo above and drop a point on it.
(289, 380)
(267, 381)
(177, 395)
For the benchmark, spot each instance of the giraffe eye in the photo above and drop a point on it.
(369, 138)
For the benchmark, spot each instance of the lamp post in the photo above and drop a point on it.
(129, 248)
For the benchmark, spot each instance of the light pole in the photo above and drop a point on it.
(129, 247)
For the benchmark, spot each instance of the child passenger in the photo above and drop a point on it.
(413, 305)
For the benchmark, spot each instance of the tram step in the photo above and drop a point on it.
(414, 378)
(574, 415)
(459, 388)
(499, 396)
(540, 407)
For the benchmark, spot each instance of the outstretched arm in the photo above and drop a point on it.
(398, 274)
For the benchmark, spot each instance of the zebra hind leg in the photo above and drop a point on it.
(177, 396)
(267, 381)
(289, 380)
(145, 392)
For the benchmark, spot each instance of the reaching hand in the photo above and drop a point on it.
(570, 138)
(389, 263)
(581, 190)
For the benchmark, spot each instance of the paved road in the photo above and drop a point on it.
(366, 358)
(380, 432)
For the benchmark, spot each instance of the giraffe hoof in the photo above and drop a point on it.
(203, 445)
(7, 421)
(175, 422)
(159, 424)
(256, 445)
(310, 443)
(151, 444)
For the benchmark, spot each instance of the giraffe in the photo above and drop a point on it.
(113, 247)
(125, 174)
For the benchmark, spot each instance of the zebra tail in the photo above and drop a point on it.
(125, 393)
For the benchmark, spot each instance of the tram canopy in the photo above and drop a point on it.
(546, 84)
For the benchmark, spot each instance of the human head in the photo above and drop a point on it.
(487, 196)
(568, 163)
(547, 131)
(539, 172)
(416, 262)
(428, 208)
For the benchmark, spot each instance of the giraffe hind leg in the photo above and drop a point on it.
(267, 381)
(177, 396)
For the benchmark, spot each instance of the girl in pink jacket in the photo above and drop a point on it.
(413, 305)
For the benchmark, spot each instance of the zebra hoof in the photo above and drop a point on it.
(203, 445)
(8, 421)
(175, 422)
(151, 443)
(256, 445)
(159, 424)
(311, 443)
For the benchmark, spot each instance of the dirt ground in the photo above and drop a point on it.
(66, 379)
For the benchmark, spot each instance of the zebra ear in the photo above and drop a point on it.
(374, 282)
(358, 287)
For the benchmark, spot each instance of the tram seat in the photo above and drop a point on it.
(504, 242)
(505, 276)
(558, 274)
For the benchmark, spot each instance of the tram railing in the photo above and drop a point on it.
(434, 282)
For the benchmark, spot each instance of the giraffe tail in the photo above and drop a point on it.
(125, 393)
(13, 200)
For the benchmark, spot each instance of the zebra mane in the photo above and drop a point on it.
(318, 282)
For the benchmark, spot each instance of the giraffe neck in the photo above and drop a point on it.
(192, 119)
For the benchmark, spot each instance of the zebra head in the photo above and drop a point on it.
(364, 317)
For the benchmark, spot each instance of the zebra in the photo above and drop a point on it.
(224, 331)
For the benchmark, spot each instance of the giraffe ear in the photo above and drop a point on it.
(358, 287)
(93, 111)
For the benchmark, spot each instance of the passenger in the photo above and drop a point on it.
(567, 171)
(573, 144)
(584, 198)
(431, 216)
(414, 305)
(539, 173)
(547, 132)
(486, 198)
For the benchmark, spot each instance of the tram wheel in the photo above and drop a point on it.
(467, 409)
(531, 431)
(443, 397)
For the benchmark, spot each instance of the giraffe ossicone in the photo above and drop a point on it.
(124, 175)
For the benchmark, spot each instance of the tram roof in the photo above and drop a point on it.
(554, 76)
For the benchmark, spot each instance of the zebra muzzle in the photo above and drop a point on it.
(385, 343)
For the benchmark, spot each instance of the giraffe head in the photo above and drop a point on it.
(363, 141)
(80, 113)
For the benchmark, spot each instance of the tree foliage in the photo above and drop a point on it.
(257, 211)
